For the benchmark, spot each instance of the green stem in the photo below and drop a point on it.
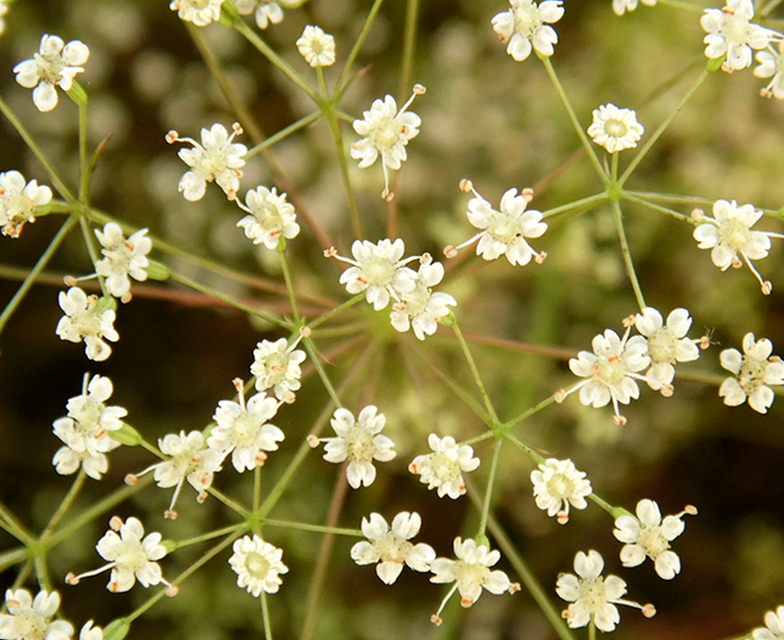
(12, 557)
(490, 485)
(36, 271)
(341, 83)
(656, 207)
(9, 523)
(586, 204)
(256, 489)
(314, 358)
(530, 412)
(409, 45)
(266, 617)
(627, 256)
(284, 133)
(314, 528)
(76, 486)
(284, 266)
(84, 168)
(475, 372)
(236, 528)
(333, 312)
(528, 450)
(89, 242)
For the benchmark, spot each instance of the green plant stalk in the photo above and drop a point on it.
(656, 207)
(284, 133)
(530, 412)
(229, 502)
(575, 122)
(11, 525)
(475, 373)
(76, 487)
(84, 161)
(590, 202)
(592, 629)
(266, 617)
(603, 504)
(89, 242)
(46, 256)
(342, 84)
(284, 267)
(256, 489)
(627, 256)
(314, 358)
(314, 528)
(12, 557)
(489, 491)
(527, 449)
(662, 128)
(219, 533)
(409, 45)
(333, 312)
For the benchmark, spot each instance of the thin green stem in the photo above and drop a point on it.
(475, 372)
(36, 271)
(627, 256)
(266, 617)
(314, 358)
(527, 449)
(256, 489)
(358, 43)
(9, 523)
(592, 629)
(662, 127)
(284, 267)
(656, 207)
(409, 45)
(333, 312)
(314, 528)
(84, 168)
(490, 485)
(12, 557)
(603, 504)
(284, 133)
(530, 412)
(340, 147)
(76, 487)
(219, 533)
(586, 204)
(89, 243)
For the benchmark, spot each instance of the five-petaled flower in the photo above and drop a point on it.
(317, 47)
(728, 235)
(217, 158)
(731, 34)
(29, 619)
(771, 65)
(443, 469)
(265, 12)
(269, 217)
(471, 573)
(593, 597)
(276, 366)
(390, 547)
(526, 26)
(131, 556)
(258, 565)
(122, 258)
(558, 484)
(385, 132)
(774, 621)
(359, 441)
(199, 12)
(55, 64)
(648, 536)
(614, 128)
(19, 201)
(87, 318)
(752, 371)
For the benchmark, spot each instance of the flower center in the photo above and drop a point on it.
(391, 548)
(378, 271)
(592, 594)
(735, 234)
(503, 228)
(416, 301)
(527, 20)
(616, 128)
(245, 430)
(609, 370)
(257, 565)
(359, 442)
(736, 29)
(752, 374)
(445, 468)
(49, 67)
(653, 541)
(131, 556)
(29, 625)
(559, 486)
(662, 345)
(470, 574)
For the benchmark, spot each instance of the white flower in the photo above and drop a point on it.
(3, 11)
(258, 565)
(771, 65)
(89, 632)
(615, 129)
(378, 270)
(471, 573)
(610, 371)
(131, 556)
(19, 201)
(621, 6)
(443, 469)
(217, 158)
(667, 344)
(774, 621)
(54, 64)
(753, 372)
(266, 13)
(419, 308)
(557, 484)
(317, 47)
(728, 234)
(87, 318)
(122, 258)
(199, 12)
(504, 231)
(526, 26)
(592, 596)
(730, 33)
(391, 548)
(276, 366)
(270, 217)
(358, 441)
(647, 536)
(86, 429)
(385, 132)
(29, 619)
(244, 430)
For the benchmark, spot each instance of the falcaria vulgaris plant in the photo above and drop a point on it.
(381, 316)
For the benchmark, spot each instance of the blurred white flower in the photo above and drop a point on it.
(29, 619)
(774, 621)
(122, 258)
(89, 632)
(771, 65)
(526, 26)
(615, 129)
(270, 217)
(87, 318)
(258, 565)
(621, 6)
(731, 33)
(55, 64)
(317, 47)
(266, 13)
(753, 371)
(18, 202)
(276, 366)
(199, 12)
(443, 469)
(558, 484)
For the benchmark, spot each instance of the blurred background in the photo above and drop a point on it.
(486, 118)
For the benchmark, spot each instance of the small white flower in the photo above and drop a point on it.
(420, 309)
(593, 597)
(86, 429)
(771, 65)
(753, 372)
(317, 47)
(53, 65)
(667, 344)
(217, 158)
(621, 6)
(390, 548)
(122, 258)
(266, 13)
(89, 632)
(728, 235)
(471, 573)
(199, 12)
(558, 484)
(358, 441)
(131, 556)
(19, 201)
(29, 619)
(504, 231)
(86, 318)
(270, 217)
(244, 430)
(443, 469)
(276, 366)
(647, 536)
(615, 129)
(730, 33)
(611, 371)
(526, 27)
(378, 270)
(385, 132)
(258, 565)
(774, 621)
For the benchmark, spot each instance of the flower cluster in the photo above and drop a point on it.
(269, 217)
(771, 65)
(276, 366)
(199, 12)
(27, 616)
(558, 484)
(732, 36)
(87, 318)
(774, 621)
(122, 258)
(19, 201)
(526, 26)
(443, 469)
(753, 371)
